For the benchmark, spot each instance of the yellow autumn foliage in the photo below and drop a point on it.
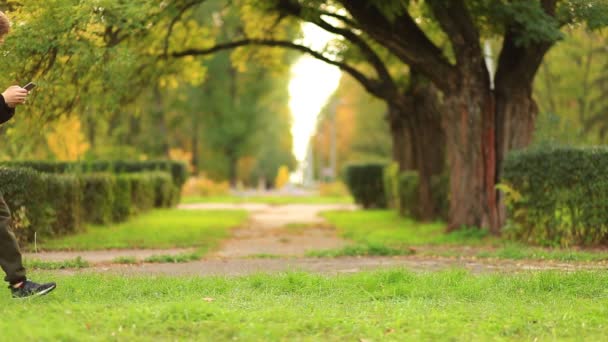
(66, 140)
(282, 177)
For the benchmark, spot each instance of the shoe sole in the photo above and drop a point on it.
(38, 294)
(44, 292)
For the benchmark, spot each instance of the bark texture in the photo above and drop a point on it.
(419, 141)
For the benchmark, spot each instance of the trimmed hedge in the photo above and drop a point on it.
(440, 187)
(122, 207)
(178, 170)
(408, 193)
(365, 182)
(49, 204)
(65, 197)
(165, 192)
(557, 196)
(402, 192)
(143, 191)
(98, 195)
(25, 192)
(390, 178)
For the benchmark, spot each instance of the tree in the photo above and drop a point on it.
(483, 120)
(361, 128)
(571, 90)
(106, 63)
(483, 117)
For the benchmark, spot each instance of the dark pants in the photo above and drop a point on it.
(10, 256)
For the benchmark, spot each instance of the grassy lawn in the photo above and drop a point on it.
(384, 232)
(157, 229)
(386, 227)
(389, 305)
(269, 199)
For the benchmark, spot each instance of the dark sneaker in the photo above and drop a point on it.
(31, 289)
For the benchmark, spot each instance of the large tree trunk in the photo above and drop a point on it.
(419, 141)
(516, 110)
(471, 144)
(232, 168)
(428, 144)
(401, 137)
(516, 113)
(195, 161)
(482, 127)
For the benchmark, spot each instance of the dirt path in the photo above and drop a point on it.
(106, 256)
(288, 230)
(276, 239)
(331, 266)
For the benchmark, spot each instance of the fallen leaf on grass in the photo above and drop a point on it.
(208, 299)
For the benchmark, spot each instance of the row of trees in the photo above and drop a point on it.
(351, 128)
(108, 90)
(424, 59)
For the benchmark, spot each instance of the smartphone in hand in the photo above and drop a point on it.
(29, 86)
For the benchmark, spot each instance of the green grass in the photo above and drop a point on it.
(265, 256)
(361, 250)
(269, 199)
(125, 260)
(380, 306)
(385, 227)
(78, 262)
(157, 229)
(518, 251)
(178, 258)
(384, 232)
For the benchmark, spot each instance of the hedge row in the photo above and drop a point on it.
(557, 196)
(177, 169)
(51, 204)
(365, 182)
(402, 191)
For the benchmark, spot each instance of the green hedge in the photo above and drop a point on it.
(402, 192)
(365, 182)
(557, 196)
(25, 191)
(177, 169)
(50, 204)
(165, 192)
(98, 196)
(65, 197)
(122, 207)
(143, 191)
(408, 193)
(390, 178)
(440, 188)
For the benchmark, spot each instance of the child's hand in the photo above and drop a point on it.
(15, 95)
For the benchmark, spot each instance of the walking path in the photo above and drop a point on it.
(289, 230)
(277, 238)
(331, 266)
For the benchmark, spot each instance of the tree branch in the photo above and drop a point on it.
(405, 40)
(518, 64)
(371, 85)
(369, 54)
(455, 20)
(346, 20)
(175, 20)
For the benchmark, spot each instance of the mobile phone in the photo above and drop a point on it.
(29, 86)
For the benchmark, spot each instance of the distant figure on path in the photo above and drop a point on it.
(10, 256)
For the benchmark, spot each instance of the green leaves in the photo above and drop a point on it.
(527, 18)
(391, 8)
(558, 196)
(593, 13)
